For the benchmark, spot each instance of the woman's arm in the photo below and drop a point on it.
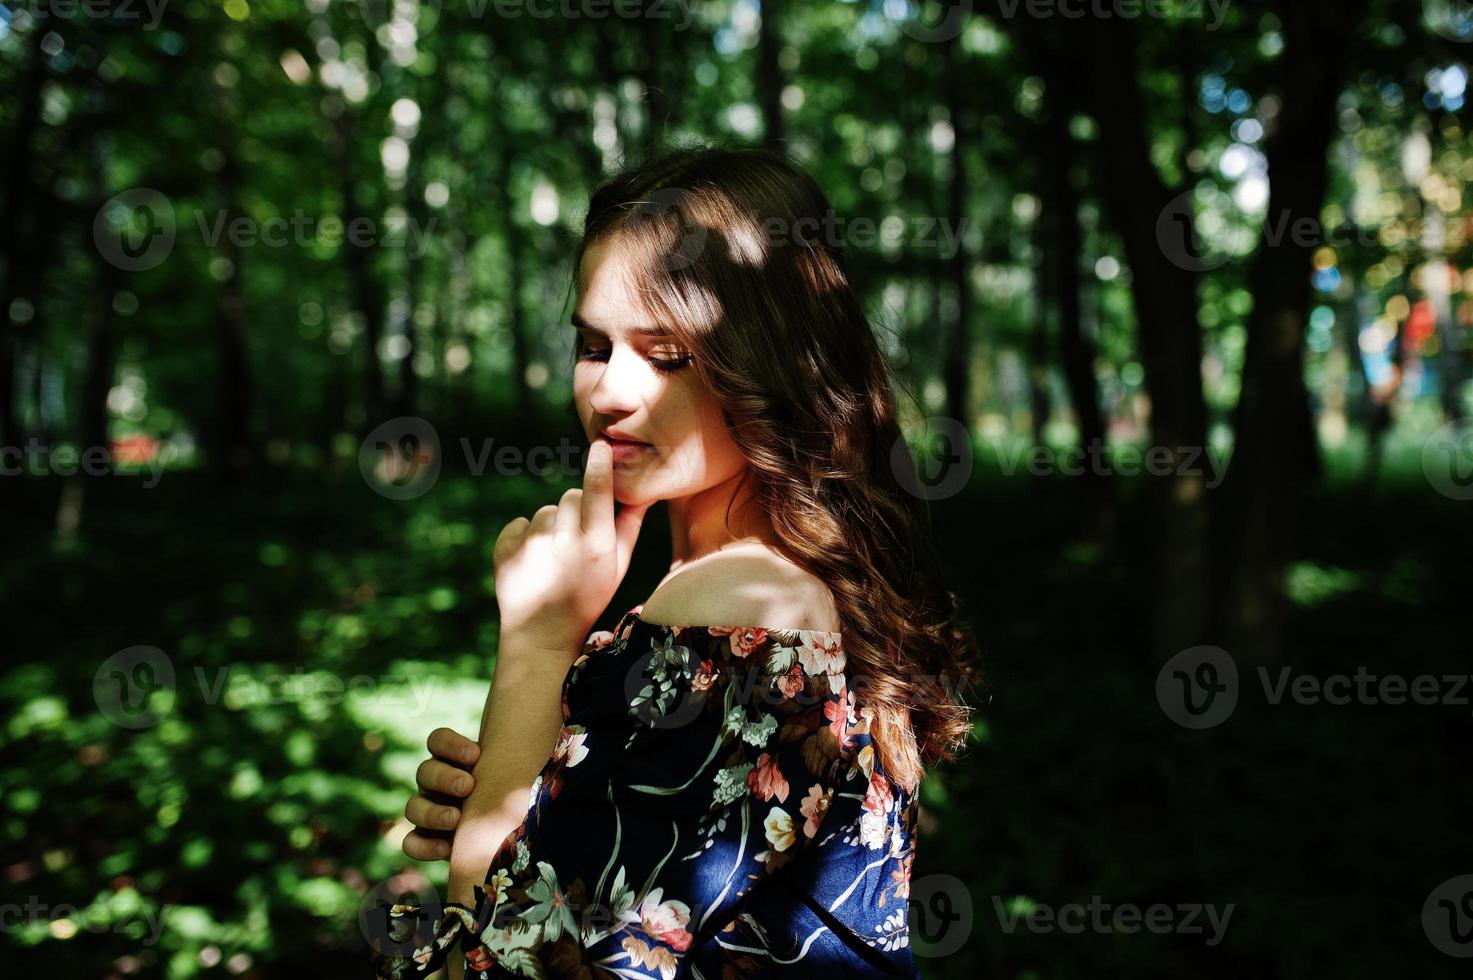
(519, 729)
(554, 575)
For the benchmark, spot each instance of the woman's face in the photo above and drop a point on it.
(639, 381)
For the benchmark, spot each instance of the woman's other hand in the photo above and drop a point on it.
(557, 572)
(444, 780)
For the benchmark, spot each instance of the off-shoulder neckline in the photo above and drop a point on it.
(635, 615)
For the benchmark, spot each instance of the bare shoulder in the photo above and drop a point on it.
(745, 586)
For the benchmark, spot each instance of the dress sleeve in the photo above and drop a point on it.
(697, 767)
(755, 746)
(416, 939)
(843, 908)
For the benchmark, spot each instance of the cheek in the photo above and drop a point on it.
(580, 399)
(721, 458)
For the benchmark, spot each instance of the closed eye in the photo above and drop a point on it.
(667, 364)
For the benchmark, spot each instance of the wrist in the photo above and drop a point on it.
(461, 890)
(538, 643)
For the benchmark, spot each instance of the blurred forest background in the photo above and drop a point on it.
(256, 253)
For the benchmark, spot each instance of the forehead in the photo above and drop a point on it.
(608, 301)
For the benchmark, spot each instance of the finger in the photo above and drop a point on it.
(435, 776)
(424, 846)
(626, 532)
(431, 816)
(448, 745)
(509, 539)
(543, 519)
(569, 511)
(598, 490)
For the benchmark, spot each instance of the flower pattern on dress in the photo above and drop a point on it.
(697, 767)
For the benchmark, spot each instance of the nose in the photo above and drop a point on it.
(617, 391)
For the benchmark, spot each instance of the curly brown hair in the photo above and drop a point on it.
(728, 256)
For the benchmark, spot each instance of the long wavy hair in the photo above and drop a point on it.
(730, 255)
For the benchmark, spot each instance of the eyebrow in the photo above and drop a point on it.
(646, 331)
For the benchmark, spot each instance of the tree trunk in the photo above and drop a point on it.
(770, 73)
(1165, 298)
(101, 340)
(233, 450)
(506, 204)
(1275, 448)
(656, 97)
(605, 57)
(361, 280)
(958, 358)
(18, 157)
(1076, 349)
(416, 237)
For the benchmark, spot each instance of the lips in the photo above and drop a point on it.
(618, 437)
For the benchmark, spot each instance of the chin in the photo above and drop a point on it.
(629, 493)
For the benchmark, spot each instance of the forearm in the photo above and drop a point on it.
(519, 729)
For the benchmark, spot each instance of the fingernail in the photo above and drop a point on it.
(449, 818)
(459, 786)
(466, 755)
(442, 850)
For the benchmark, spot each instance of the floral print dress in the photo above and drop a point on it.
(714, 808)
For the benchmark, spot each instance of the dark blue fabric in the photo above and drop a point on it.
(715, 807)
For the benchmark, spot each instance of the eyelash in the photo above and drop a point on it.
(665, 366)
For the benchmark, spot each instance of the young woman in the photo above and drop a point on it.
(731, 787)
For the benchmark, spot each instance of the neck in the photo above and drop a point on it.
(717, 518)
